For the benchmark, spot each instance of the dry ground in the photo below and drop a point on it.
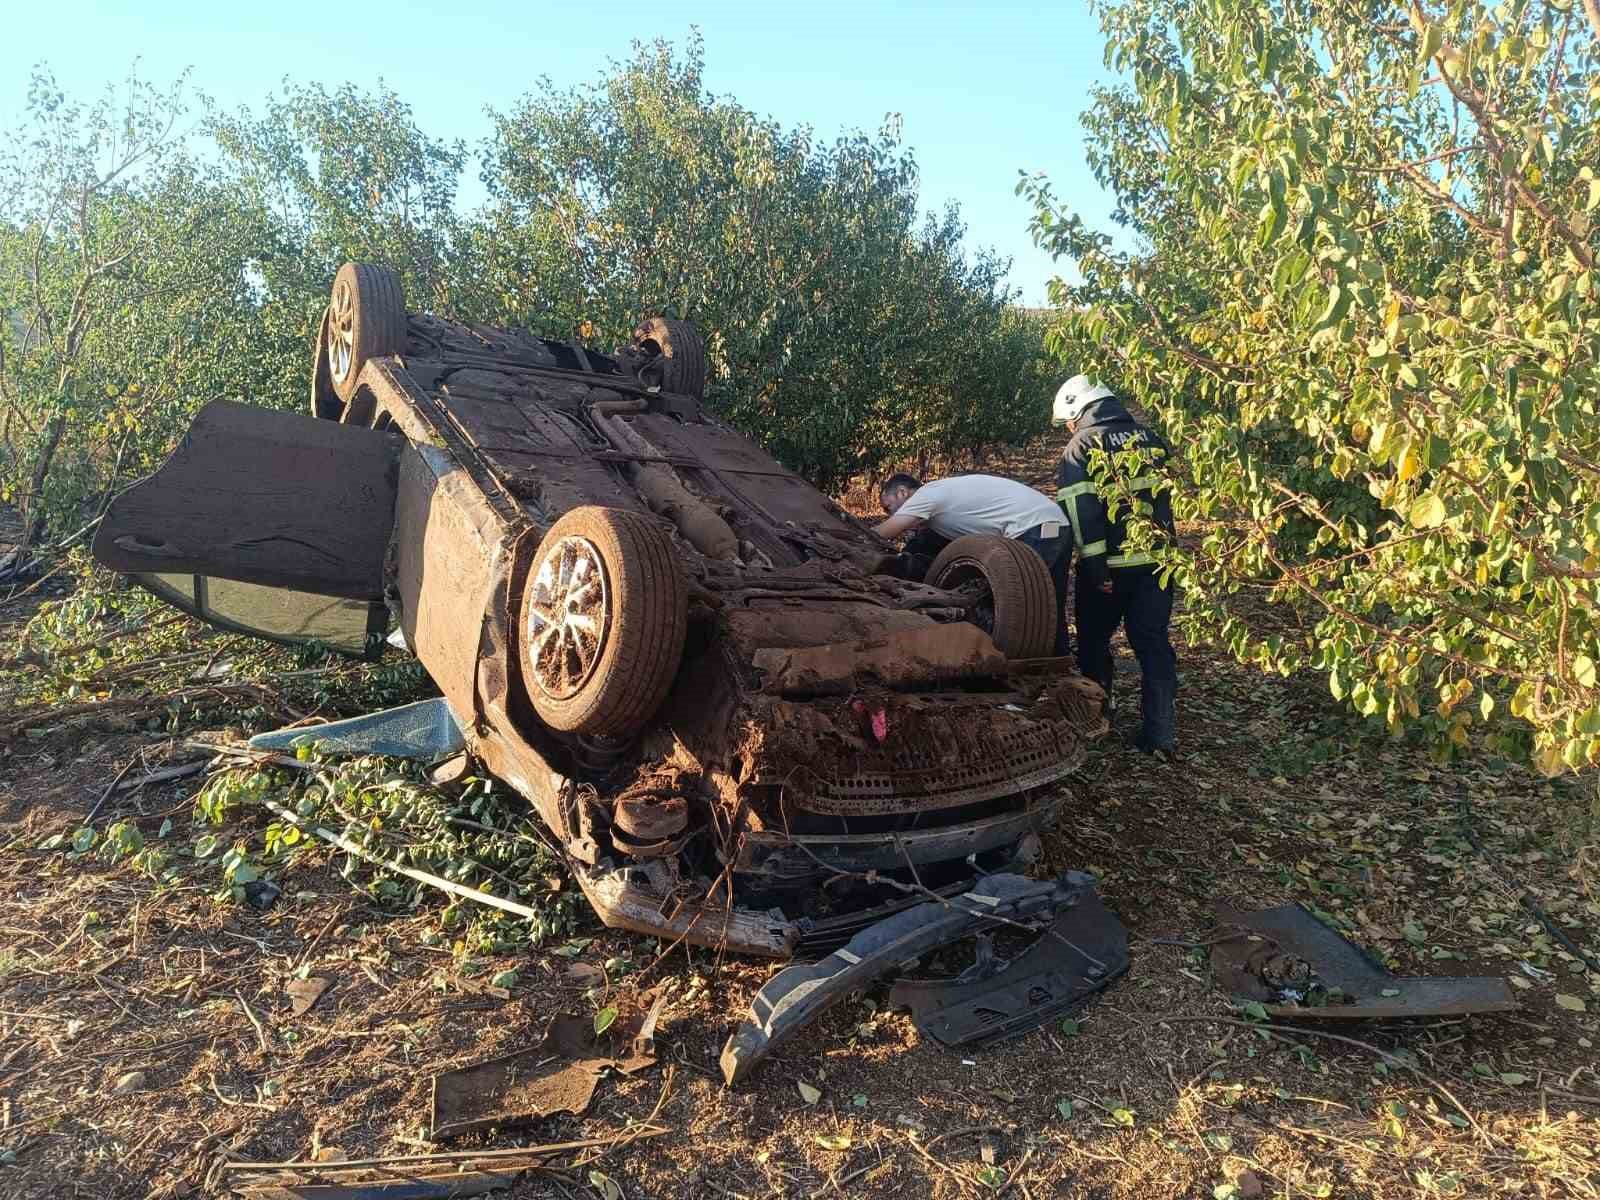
(1278, 796)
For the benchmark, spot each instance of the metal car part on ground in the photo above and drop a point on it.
(679, 652)
(1293, 965)
(557, 1075)
(993, 999)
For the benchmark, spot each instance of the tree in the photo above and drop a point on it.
(1363, 302)
(88, 243)
(842, 329)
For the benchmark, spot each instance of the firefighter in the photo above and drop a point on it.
(1114, 587)
(938, 512)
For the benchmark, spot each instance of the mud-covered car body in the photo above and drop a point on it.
(823, 727)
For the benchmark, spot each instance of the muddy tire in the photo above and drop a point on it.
(683, 354)
(366, 320)
(1019, 609)
(601, 622)
(325, 402)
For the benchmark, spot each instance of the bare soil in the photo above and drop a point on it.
(146, 1033)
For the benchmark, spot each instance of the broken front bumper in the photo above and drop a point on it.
(1081, 948)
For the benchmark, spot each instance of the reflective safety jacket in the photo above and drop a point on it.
(1107, 425)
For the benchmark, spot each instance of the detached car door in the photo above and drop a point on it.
(266, 523)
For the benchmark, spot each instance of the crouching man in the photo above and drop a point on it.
(1117, 587)
(939, 512)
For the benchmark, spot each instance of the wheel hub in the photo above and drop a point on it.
(569, 615)
(341, 331)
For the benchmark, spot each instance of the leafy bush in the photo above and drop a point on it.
(1364, 307)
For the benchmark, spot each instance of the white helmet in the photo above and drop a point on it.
(1075, 395)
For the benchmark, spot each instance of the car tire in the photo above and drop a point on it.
(601, 622)
(325, 402)
(682, 351)
(366, 319)
(1023, 598)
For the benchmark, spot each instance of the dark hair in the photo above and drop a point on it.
(898, 481)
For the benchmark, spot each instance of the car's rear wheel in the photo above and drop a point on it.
(366, 319)
(602, 622)
(682, 354)
(1015, 601)
(325, 402)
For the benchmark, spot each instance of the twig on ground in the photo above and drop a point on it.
(110, 787)
(261, 1034)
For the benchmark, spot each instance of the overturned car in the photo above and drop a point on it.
(684, 656)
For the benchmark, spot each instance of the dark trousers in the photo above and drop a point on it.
(1139, 603)
(1057, 554)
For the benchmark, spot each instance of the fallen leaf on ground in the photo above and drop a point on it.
(808, 1093)
(303, 993)
(133, 1081)
(1571, 1003)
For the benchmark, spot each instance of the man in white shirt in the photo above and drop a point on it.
(937, 513)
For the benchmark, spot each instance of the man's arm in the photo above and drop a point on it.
(894, 526)
(1086, 512)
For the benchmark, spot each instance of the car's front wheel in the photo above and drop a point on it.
(602, 622)
(1014, 601)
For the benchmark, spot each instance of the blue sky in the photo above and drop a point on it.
(984, 90)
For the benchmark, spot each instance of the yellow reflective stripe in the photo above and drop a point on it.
(1139, 559)
(1072, 491)
(1094, 548)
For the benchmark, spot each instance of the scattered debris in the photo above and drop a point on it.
(261, 894)
(426, 729)
(558, 1075)
(1295, 966)
(797, 995)
(441, 1176)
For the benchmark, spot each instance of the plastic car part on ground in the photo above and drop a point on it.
(797, 995)
(1079, 953)
(1293, 965)
(426, 729)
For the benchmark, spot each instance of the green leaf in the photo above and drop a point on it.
(604, 1019)
(1123, 1116)
(508, 978)
(83, 839)
(206, 845)
(834, 1141)
(1583, 670)
(1432, 39)
(1255, 1010)
(808, 1093)
(1513, 1078)
(1571, 1003)
(1070, 1026)
(1427, 511)
(1064, 1107)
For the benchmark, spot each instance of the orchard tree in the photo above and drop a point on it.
(842, 325)
(122, 285)
(1362, 301)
